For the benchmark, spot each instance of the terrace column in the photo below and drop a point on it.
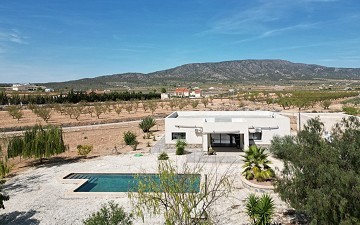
(246, 140)
(205, 142)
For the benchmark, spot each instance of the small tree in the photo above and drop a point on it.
(129, 138)
(110, 214)
(152, 106)
(118, 109)
(84, 150)
(15, 112)
(44, 113)
(5, 167)
(194, 103)
(38, 142)
(180, 147)
(128, 107)
(256, 164)
(147, 123)
(205, 101)
(173, 195)
(260, 209)
(99, 109)
(90, 110)
(326, 104)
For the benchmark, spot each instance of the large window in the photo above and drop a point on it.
(255, 136)
(178, 135)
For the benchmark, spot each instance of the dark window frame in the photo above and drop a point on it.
(256, 136)
(178, 136)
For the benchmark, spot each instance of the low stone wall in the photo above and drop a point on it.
(256, 187)
(189, 146)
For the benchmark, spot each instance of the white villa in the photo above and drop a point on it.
(234, 129)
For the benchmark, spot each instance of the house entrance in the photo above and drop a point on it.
(227, 140)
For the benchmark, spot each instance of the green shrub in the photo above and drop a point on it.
(260, 209)
(84, 150)
(147, 123)
(180, 147)
(110, 214)
(163, 156)
(129, 138)
(351, 110)
(5, 167)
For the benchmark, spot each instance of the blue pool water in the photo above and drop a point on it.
(120, 182)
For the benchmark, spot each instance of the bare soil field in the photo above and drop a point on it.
(107, 139)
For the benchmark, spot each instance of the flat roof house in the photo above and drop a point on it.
(234, 129)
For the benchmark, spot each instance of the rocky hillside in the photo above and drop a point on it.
(219, 72)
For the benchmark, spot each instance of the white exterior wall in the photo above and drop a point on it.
(329, 119)
(244, 121)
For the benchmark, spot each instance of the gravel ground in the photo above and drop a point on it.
(39, 196)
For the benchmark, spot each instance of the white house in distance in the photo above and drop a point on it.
(234, 129)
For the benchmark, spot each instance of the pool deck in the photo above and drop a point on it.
(41, 196)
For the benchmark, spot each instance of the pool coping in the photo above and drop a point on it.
(79, 182)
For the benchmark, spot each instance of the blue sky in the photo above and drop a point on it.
(58, 40)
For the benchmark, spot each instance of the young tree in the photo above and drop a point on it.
(129, 107)
(99, 109)
(174, 196)
(90, 110)
(256, 164)
(38, 142)
(118, 109)
(15, 112)
(321, 176)
(147, 123)
(260, 209)
(205, 101)
(180, 147)
(44, 113)
(326, 104)
(194, 103)
(152, 106)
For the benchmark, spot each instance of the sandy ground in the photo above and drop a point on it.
(39, 195)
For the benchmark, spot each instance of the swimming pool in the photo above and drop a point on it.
(122, 182)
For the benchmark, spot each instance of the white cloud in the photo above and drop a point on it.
(13, 36)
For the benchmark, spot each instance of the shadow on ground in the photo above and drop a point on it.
(16, 218)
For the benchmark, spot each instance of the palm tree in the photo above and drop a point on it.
(260, 209)
(256, 164)
(147, 123)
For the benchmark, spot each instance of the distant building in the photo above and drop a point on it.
(196, 93)
(26, 87)
(165, 96)
(49, 90)
(182, 92)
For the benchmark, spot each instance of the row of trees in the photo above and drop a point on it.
(73, 97)
(299, 99)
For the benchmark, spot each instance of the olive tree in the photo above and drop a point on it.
(176, 197)
(321, 177)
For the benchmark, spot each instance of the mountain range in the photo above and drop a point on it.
(238, 71)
